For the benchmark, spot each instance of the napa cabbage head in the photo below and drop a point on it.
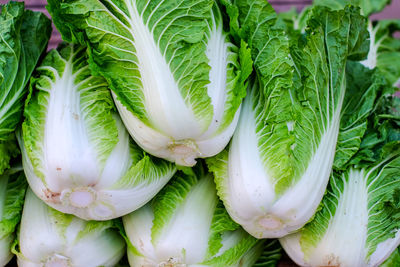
(299, 119)
(48, 237)
(23, 37)
(77, 155)
(358, 220)
(187, 225)
(176, 77)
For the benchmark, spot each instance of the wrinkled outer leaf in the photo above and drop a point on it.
(384, 51)
(23, 37)
(363, 88)
(12, 201)
(12, 192)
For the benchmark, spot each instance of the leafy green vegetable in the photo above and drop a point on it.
(358, 223)
(23, 37)
(12, 192)
(297, 114)
(384, 51)
(77, 155)
(177, 79)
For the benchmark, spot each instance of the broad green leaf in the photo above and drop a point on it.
(23, 37)
(384, 51)
(363, 88)
(12, 192)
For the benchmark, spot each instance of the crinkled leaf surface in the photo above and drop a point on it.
(24, 36)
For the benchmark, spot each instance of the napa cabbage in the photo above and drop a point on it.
(177, 79)
(77, 155)
(48, 237)
(358, 222)
(300, 117)
(187, 225)
(23, 37)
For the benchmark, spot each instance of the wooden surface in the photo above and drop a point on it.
(390, 12)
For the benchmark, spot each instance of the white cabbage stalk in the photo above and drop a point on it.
(296, 116)
(358, 222)
(50, 238)
(186, 225)
(174, 73)
(77, 155)
(12, 191)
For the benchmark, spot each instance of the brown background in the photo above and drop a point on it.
(390, 12)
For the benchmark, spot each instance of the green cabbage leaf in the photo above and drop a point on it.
(23, 38)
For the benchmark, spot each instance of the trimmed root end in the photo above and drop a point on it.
(270, 222)
(57, 261)
(185, 152)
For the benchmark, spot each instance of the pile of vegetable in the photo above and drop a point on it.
(193, 133)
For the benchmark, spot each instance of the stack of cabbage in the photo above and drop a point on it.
(118, 119)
